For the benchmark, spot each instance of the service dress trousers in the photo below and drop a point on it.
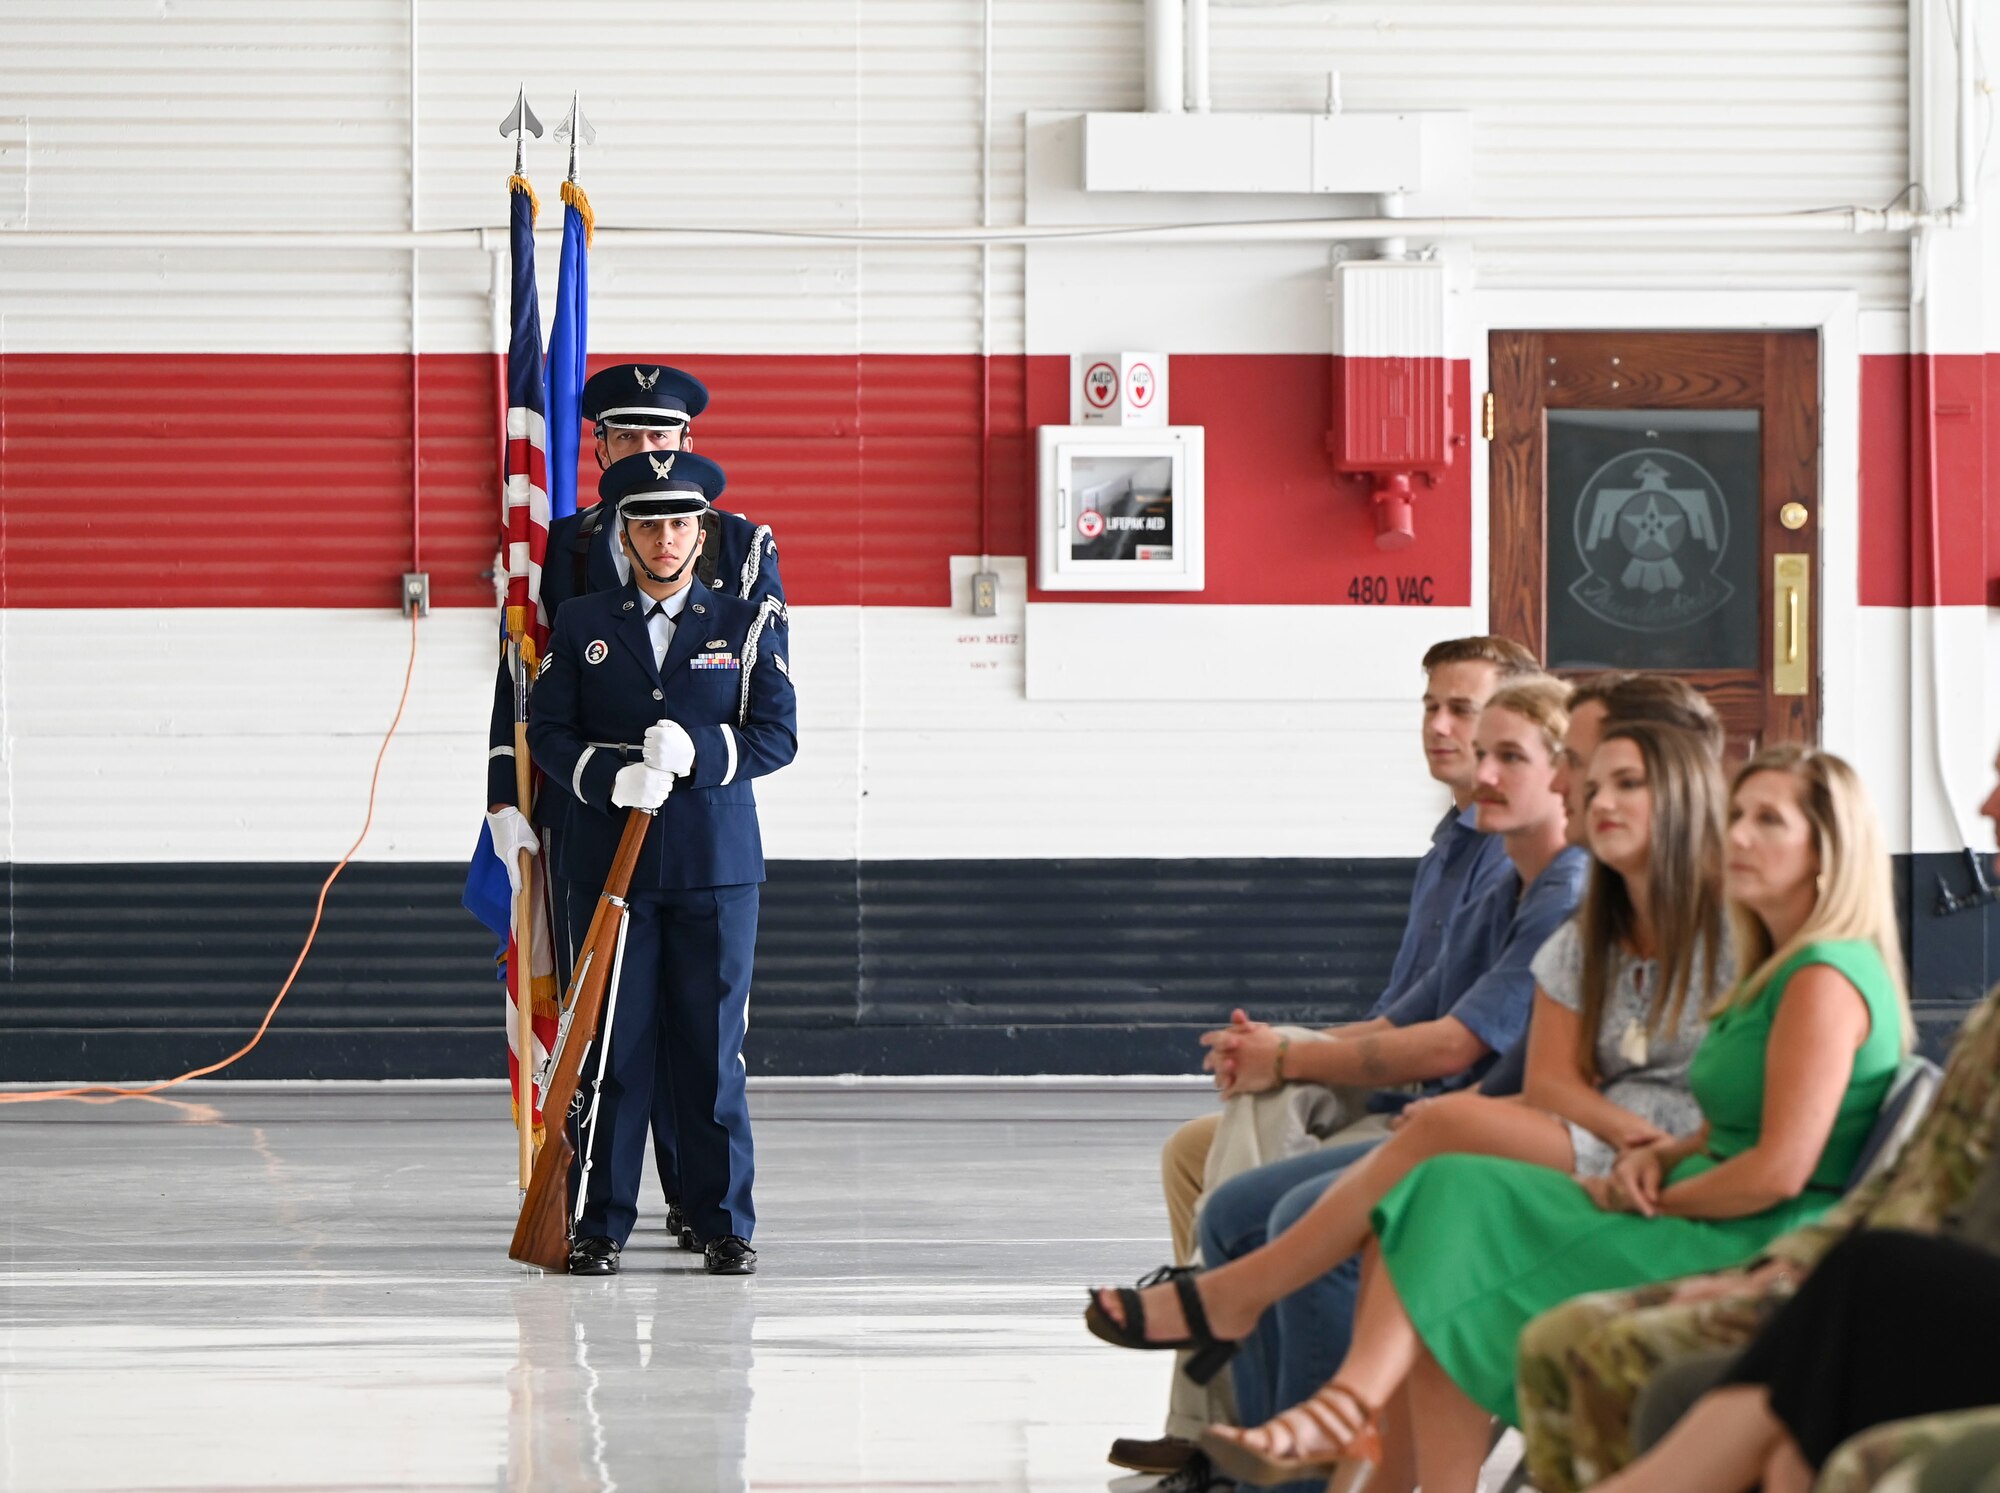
(677, 1028)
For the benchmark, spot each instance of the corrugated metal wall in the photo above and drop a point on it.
(792, 112)
(267, 395)
(882, 967)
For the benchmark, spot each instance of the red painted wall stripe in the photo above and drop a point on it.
(1896, 558)
(1282, 526)
(270, 480)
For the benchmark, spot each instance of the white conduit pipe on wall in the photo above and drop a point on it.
(1830, 221)
(1166, 76)
(1197, 56)
(1968, 89)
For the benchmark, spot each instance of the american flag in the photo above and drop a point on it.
(527, 485)
(526, 536)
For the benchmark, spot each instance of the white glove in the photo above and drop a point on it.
(670, 749)
(638, 786)
(512, 834)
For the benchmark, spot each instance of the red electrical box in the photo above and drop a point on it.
(1392, 418)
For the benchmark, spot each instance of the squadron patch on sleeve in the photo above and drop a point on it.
(596, 652)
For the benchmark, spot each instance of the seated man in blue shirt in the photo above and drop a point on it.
(1462, 865)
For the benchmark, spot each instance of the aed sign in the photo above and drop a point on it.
(1122, 389)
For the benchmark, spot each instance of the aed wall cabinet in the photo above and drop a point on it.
(1120, 508)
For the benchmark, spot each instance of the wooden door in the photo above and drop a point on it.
(1655, 505)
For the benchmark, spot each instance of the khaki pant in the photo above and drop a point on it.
(1183, 1161)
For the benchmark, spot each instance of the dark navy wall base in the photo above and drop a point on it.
(897, 967)
(1954, 954)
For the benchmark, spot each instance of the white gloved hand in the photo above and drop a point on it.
(512, 834)
(670, 749)
(638, 786)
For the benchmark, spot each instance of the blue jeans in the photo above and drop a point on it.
(1300, 1341)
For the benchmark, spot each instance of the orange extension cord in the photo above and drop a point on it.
(111, 1093)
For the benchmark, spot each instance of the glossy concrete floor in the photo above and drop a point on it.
(309, 1289)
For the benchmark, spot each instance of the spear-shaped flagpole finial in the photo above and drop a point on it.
(576, 125)
(521, 120)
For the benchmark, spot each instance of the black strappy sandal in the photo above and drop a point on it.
(1210, 1352)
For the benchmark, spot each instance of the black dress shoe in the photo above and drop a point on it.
(593, 1256)
(1196, 1475)
(679, 1229)
(730, 1255)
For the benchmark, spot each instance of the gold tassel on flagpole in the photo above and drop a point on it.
(573, 194)
(520, 184)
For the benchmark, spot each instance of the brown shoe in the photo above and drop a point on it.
(1163, 1455)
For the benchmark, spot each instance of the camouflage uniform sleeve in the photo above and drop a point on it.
(1804, 1247)
(1583, 1364)
(1860, 1463)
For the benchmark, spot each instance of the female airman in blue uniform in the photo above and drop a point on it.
(666, 694)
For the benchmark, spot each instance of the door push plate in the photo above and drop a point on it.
(1791, 629)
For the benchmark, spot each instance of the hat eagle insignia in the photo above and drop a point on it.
(661, 469)
(646, 381)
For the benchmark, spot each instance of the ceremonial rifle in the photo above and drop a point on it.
(541, 1234)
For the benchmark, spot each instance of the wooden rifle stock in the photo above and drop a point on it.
(541, 1234)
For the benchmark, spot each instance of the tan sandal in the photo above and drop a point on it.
(1337, 1413)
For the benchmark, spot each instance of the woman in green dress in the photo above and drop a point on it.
(1795, 1065)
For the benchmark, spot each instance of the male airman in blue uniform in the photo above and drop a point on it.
(666, 694)
(631, 408)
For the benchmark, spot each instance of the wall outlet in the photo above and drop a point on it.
(985, 593)
(417, 592)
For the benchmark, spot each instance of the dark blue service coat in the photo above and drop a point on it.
(725, 679)
(741, 557)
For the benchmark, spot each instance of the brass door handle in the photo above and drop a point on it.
(1791, 591)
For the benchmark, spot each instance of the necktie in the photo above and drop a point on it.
(662, 637)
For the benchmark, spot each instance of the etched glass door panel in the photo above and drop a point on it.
(1647, 490)
(1654, 536)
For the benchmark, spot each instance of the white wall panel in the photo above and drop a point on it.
(1927, 758)
(212, 113)
(206, 300)
(241, 735)
(953, 761)
(229, 114)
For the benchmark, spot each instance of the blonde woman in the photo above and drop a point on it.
(1795, 1064)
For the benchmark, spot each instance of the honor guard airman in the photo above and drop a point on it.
(630, 407)
(665, 693)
